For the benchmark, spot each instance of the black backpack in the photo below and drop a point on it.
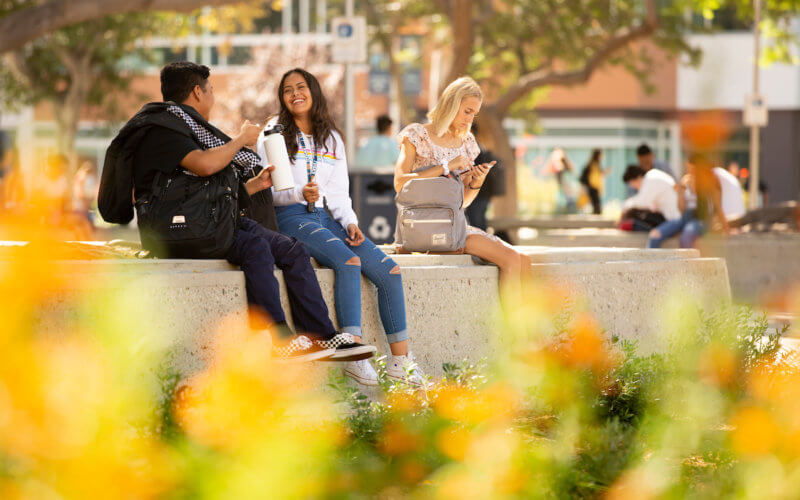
(188, 216)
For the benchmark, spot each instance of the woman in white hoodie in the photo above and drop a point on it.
(319, 167)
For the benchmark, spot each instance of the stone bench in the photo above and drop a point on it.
(758, 263)
(450, 299)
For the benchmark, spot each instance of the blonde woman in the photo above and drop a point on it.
(447, 143)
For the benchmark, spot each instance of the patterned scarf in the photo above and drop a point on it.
(247, 163)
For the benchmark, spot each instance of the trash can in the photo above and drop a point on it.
(372, 192)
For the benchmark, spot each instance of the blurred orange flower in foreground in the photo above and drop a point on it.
(706, 131)
(755, 432)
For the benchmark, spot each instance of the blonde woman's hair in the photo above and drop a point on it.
(446, 109)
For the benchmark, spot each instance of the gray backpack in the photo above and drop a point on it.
(430, 217)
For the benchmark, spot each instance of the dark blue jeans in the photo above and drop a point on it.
(688, 226)
(257, 251)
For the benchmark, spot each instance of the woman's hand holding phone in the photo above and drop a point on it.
(480, 171)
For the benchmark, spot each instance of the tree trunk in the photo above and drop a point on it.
(68, 110)
(461, 25)
(490, 122)
(396, 74)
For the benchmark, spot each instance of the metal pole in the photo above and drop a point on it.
(286, 20)
(322, 16)
(754, 130)
(305, 14)
(349, 99)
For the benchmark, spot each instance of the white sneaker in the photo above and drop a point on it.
(405, 369)
(361, 371)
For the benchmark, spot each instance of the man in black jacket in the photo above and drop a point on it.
(173, 137)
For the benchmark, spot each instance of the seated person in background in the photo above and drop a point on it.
(647, 160)
(174, 137)
(655, 200)
(732, 195)
(699, 199)
(743, 176)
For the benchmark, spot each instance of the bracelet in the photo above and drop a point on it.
(470, 186)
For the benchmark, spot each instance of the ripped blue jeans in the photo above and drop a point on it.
(325, 240)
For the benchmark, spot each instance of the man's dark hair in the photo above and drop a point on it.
(632, 172)
(642, 150)
(178, 79)
(383, 123)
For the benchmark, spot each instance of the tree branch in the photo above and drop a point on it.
(25, 25)
(542, 78)
(16, 66)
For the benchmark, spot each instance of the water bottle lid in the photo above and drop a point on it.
(275, 129)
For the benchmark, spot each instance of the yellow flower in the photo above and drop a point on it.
(717, 365)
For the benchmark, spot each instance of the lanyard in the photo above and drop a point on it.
(311, 165)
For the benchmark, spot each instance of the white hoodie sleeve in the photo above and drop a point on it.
(645, 198)
(289, 196)
(337, 188)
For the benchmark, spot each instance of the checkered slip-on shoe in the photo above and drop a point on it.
(301, 349)
(346, 348)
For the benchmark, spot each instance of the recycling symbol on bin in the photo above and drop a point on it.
(379, 229)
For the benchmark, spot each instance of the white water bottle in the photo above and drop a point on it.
(274, 148)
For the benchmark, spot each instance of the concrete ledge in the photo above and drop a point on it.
(758, 263)
(450, 299)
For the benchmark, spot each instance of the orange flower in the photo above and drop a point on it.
(498, 401)
(412, 471)
(707, 130)
(755, 432)
(584, 347)
(402, 402)
(397, 440)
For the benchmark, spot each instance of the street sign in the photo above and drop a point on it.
(349, 40)
(755, 111)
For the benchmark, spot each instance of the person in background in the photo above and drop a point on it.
(655, 200)
(700, 201)
(494, 185)
(593, 179)
(12, 189)
(84, 190)
(5, 164)
(647, 160)
(380, 150)
(743, 175)
(731, 194)
(559, 164)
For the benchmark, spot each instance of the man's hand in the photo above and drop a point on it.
(260, 182)
(356, 237)
(248, 134)
(311, 192)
